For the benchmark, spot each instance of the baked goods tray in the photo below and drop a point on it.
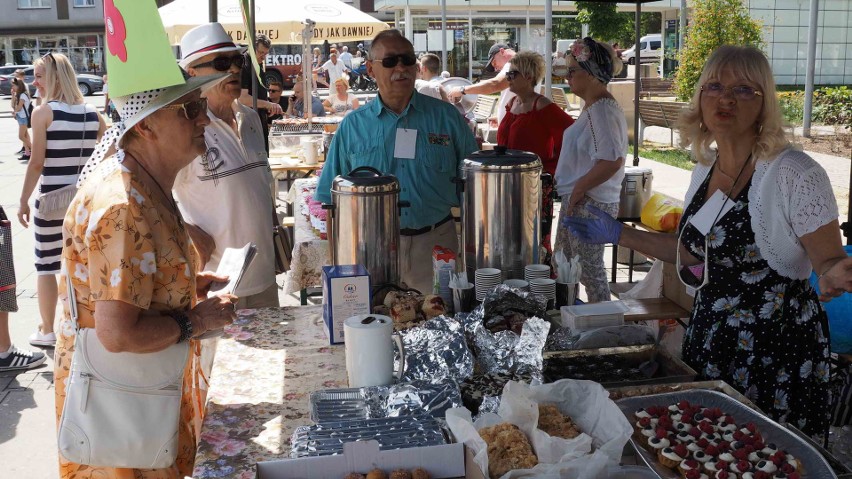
(620, 392)
(618, 366)
(814, 466)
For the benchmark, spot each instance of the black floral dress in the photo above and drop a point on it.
(761, 332)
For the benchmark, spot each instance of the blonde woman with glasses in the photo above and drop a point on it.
(65, 131)
(759, 217)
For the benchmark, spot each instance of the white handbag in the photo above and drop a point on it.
(121, 409)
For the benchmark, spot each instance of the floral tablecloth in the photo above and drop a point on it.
(310, 253)
(267, 364)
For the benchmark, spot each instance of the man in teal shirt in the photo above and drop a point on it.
(418, 139)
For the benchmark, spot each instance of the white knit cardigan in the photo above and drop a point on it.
(790, 197)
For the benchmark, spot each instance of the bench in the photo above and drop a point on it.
(485, 108)
(652, 86)
(659, 113)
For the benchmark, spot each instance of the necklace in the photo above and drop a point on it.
(168, 197)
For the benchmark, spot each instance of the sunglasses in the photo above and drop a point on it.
(191, 109)
(740, 92)
(271, 90)
(393, 60)
(512, 74)
(48, 56)
(223, 64)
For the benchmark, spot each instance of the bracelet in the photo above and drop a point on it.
(184, 324)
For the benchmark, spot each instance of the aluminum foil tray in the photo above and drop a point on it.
(391, 433)
(403, 399)
(814, 465)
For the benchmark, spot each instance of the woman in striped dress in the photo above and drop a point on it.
(65, 131)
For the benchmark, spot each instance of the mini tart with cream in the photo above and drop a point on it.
(727, 457)
(756, 475)
(725, 475)
(689, 465)
(658, 443)
(702, 457)
(712, 467)
(740, 467)
(695, 474)
(765, 466)
(671, 457)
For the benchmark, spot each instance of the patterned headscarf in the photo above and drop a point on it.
(592, 57)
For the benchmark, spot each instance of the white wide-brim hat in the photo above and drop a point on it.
(204, 40)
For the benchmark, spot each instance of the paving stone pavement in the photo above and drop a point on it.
(27, 417)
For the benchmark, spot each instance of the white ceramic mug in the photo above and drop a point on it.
(369, 342)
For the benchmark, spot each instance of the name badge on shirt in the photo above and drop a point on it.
(405, 146)
(716, 207)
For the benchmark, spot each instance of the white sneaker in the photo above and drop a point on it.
(44, 340)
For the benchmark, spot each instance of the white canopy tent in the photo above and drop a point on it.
(280, 20)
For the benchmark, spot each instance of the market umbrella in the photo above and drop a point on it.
(281, 21)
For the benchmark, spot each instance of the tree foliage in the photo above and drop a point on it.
(605, 23)
(712, 23)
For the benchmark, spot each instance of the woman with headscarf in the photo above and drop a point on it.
(65, 130)
(130, 260)
(591, 163)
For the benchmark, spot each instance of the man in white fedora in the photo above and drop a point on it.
(225, 195)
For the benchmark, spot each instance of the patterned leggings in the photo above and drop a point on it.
(591, 255)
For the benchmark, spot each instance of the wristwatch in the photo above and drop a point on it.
(462, 90)
(183, 323)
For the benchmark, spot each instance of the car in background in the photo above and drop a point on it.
(6, 73)
(650, 46)
(88, 84)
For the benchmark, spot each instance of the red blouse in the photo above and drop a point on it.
(538, 131)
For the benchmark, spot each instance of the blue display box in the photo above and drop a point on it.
(346, 293)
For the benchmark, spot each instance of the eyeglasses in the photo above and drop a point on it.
(393, 60)
(687, 274)
(223, 64)
(740, 92)
(512, 74)
(191, 109)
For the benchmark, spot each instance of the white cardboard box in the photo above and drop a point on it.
(583, 317)
(444, 461)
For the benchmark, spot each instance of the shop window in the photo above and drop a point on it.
(84, 3)
(33, 3)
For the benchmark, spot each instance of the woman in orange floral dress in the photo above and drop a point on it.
(131, 263)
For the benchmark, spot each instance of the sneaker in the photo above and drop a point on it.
(21, 359)
(20, 151)
(24, 158)
(44, 340)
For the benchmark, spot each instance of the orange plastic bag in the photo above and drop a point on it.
(661, 214)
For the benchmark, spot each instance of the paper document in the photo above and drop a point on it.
(234, 264)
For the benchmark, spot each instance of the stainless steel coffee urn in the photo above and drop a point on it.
(636, 190)
(363, 223)
(501, 211)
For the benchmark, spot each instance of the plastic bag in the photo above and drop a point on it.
(606, 429)
(661, 213)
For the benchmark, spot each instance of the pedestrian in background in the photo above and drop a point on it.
(22, 110)
(65, 131)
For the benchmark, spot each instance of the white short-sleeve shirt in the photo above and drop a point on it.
(505, 95)
(230, 197)
(600, 133)
(335, 70)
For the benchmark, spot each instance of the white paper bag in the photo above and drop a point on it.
(604, 427)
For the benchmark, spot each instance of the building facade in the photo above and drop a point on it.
(32, 28)
(474, 25)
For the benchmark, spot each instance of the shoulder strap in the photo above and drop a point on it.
(535, 103)
(72, 299)
(511, 102)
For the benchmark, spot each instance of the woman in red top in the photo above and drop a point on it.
(534, 123)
